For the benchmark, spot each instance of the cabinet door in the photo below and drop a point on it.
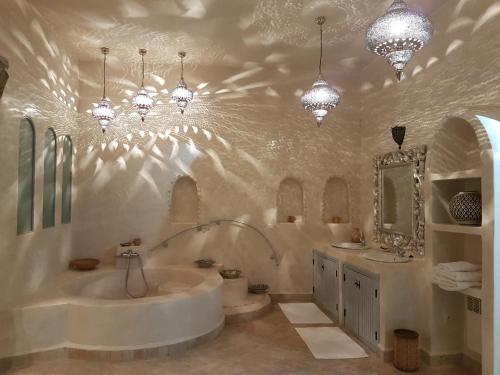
(350, 297)
(361, 305)
(317, 279)
(368, 326)
(331, 287)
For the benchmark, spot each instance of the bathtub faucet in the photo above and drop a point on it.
(129, 254)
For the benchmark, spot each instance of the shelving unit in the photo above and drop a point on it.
(455, 228)
(457, 175)
(455, 165)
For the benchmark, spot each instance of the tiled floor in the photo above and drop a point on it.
(269, 345)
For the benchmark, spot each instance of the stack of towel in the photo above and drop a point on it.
(457, 276)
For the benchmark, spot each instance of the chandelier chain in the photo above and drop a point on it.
(321, 46)
(142, 81)
(104, 78)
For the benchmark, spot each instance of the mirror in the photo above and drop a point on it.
(396, 195)
(399, 204)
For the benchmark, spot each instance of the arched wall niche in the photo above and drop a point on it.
(290, 200)
(185, 201)
(455, 147)
(335, 207)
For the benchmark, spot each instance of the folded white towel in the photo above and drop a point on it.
(459, 267)
(459, 276)
(450, 285)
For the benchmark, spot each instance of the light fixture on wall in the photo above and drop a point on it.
(398, 34)
(142, 101)
(321, 97)
(181, 94)
(104, 112)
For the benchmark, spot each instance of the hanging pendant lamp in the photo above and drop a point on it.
(398, 34)
(181, 94)
(321, 97)
(142, 101)
(104, 112)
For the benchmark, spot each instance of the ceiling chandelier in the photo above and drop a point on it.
(142, 101)
(321, 97)
(181, 94)
(104, 112)
(398, 34)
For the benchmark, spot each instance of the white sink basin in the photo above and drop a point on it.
(349, 245)
(385, 257)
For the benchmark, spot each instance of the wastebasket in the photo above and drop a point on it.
(406, 355)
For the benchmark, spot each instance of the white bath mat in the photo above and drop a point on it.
(330, 343)
(304, 313)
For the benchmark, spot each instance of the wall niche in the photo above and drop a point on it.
(290, 201)
(185, 201)
(336, 201)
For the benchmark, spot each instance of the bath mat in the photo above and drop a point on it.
(330, 343)
(304, 313)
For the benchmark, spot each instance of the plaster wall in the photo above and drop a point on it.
(43, 85)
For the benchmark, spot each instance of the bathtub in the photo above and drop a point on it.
(92, 312)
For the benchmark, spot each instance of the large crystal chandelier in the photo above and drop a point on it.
(104, 112)
(321, 97)
(142, 101)
(181, 94)
(398, 34)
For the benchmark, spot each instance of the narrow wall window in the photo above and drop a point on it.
(67, 175)
(49, 179)
(26, 177)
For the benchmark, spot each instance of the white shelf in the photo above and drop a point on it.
(473, 292)
(458, 175)
(454, 228)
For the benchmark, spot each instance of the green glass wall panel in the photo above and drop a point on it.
(26, 177)
(49, 179)
(67, 180)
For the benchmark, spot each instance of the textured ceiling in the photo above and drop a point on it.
(223, 33)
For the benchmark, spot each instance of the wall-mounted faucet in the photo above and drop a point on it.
(128, 254)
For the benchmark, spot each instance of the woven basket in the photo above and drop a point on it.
(406, 354)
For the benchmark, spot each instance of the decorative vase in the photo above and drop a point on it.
(465, 208)
(356, 235)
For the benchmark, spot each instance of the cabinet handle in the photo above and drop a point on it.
(323, 267)
(357, 284)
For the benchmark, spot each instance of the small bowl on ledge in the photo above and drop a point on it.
(258, 288)
(84, 264)
(230, 274)
(205, 263)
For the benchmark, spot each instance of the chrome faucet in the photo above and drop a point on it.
(129, 254)
(362, 239)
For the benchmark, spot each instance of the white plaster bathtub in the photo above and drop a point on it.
(91, 311)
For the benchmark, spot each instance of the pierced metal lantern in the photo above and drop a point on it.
(321, 97)
(142, 100)
(398, 134)
(398, 34)
(104, 112)
(181, 94)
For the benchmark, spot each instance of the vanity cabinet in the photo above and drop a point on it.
(326, 275)
(361, 308)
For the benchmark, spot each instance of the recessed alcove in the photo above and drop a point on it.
(290, 200)
(185, 201)
(455, 147)
(455, 165)
(335, 206)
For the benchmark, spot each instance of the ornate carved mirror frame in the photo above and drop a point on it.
(410, 244)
